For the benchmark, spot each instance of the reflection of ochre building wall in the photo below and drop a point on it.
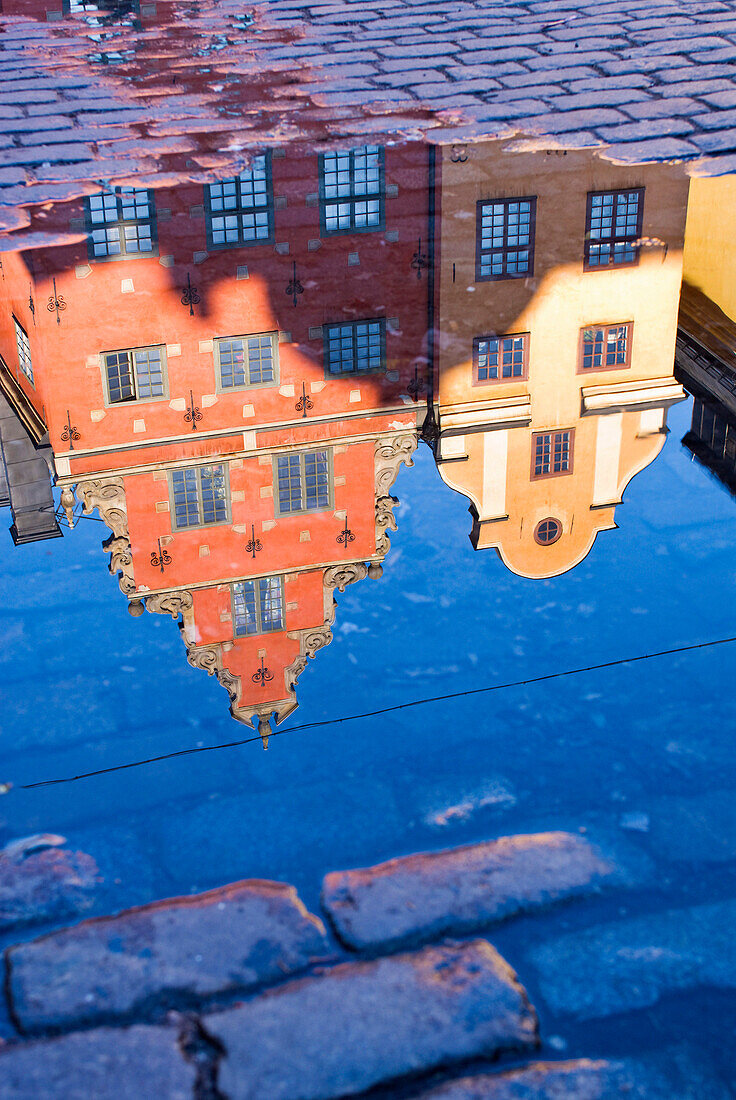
(617, 416)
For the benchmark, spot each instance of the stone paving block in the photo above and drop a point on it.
(367, 1023)
(629, 964)
(720, 141)
(177, 951)
(645, 129)
(459, 890)
(559, 123)
(586, 1079)
(41, 881)
(664, 108)
(106, 1064)
(643, 152)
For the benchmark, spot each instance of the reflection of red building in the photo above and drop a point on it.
(228, 366)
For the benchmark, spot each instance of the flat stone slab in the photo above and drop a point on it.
(170, 953)
(40, 881)
(585, 1080)
(366, 1023)
(105, 1064)
(453, 892)
(629, 964)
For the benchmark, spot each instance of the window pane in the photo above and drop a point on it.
(271, 603)
(119, 376)
(214, 504)
(149, 372)
(355, 346)
(288, 469)
(232, 362)
(186, 499)
(260, 360)
(505, 238)
(248, 201)
(613, 227)
(244, 608)
(24, 350)
(543, 447)
(316, 480)
(356, 179)
(122, 222)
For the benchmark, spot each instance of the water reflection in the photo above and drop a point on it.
(706, 347)
(558, 311)
(233, 373)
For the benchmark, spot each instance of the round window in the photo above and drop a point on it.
(548, 531)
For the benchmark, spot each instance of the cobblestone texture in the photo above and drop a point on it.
(347, 1026)
(105, 1064)
(366, 1023)
(458, 891)
(233, 939)
(653, 80)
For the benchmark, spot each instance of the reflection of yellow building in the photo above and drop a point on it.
(710, 240)
(557, 307)
(706, 346)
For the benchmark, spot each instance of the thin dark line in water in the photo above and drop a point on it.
(382, 710)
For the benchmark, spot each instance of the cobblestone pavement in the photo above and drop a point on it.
(152, 99)
(165, 999)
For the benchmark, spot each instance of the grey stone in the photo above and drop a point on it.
(106, 1064)
(585, 1079)
(170, 952)
(50, 884)
(629, 964)
(366, 1023)
(426, 896)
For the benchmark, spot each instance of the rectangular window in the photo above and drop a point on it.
(121, 222)
(248, 360)
(500, 358)
(24, 349)
(240, 209)
(258, 606)
(613, 225)
(302, 482)
(352, 190)
(135, 375)
(199, 496)
(552, 453)
(505, 239)
(605, 347)
(356, 347)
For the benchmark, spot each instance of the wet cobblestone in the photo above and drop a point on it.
(653, 81)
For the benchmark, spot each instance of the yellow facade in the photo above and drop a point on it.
(616, 417)
(710, 240)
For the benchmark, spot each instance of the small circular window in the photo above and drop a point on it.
(548, 531)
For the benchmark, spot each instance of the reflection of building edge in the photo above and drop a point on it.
(107, 495)
(703, 375)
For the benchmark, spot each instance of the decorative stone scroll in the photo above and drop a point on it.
(170, 603)
(390, 452)
(340, 576)
(108, 496)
